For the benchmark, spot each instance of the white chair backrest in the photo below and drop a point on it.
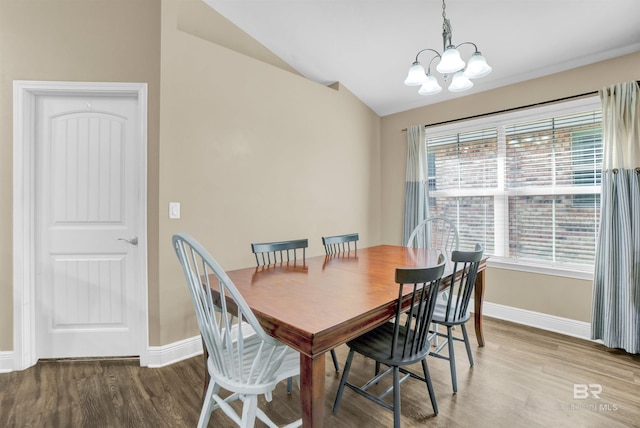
(220, 310)
(435, 232)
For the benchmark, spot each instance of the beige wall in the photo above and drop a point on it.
(552, 295)
(558, 296)
(73, 40)
(255, 153)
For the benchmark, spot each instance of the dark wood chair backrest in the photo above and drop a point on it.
(340, 243)
(410, 340)
(466, 265)
(267, 253)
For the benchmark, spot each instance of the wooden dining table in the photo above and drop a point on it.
(320, 303)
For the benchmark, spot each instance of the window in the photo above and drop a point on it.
(463, 177)
(525, 184)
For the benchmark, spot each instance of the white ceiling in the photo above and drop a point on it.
(368, 45)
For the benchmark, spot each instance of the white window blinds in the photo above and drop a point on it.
(463, 172)
(552, 178)
(527, 188)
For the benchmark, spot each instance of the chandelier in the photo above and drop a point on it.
(450, 63)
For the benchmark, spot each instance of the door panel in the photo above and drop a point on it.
(86, 190)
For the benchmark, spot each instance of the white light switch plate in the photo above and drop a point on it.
(174, 210)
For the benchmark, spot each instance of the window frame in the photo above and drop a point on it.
(501, 195)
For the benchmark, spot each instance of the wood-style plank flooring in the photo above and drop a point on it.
(523, 377)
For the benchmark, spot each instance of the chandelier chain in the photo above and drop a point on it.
(446, 28)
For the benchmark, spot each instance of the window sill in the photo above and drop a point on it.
(568, 271)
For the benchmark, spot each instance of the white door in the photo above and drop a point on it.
(87, 194)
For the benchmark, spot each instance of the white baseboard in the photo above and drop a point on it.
(6, 361)
(539, 320)
(157, 356)
(160, 356)
(168, 354)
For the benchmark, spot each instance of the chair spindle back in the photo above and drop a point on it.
(267, 253)
(340, 243)
(466, 265)
(435, 232)
(411, 330)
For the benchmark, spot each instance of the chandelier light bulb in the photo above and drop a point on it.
(477, 66)
(416, 75)
(430, 87)
(460, 82)
(450, 61)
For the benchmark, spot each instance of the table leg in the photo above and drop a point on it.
(477, 302)
(207, 377)
(312, 390)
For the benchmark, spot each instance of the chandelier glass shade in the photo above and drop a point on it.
(450, 63)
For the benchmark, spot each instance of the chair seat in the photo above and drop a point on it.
(247, 383)
(376, 345)
(440, 311)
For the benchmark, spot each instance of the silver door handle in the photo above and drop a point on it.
(132, 241)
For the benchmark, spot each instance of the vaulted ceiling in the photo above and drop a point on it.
(368, 45)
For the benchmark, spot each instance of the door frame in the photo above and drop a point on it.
(25, 94)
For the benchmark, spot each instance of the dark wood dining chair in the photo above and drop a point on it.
(267, 253)
(337, 244)
(455, 311)
(340, 243)
(400, 342)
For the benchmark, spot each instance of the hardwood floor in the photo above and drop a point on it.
(523, 377)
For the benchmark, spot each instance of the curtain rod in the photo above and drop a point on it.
(507, 110)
